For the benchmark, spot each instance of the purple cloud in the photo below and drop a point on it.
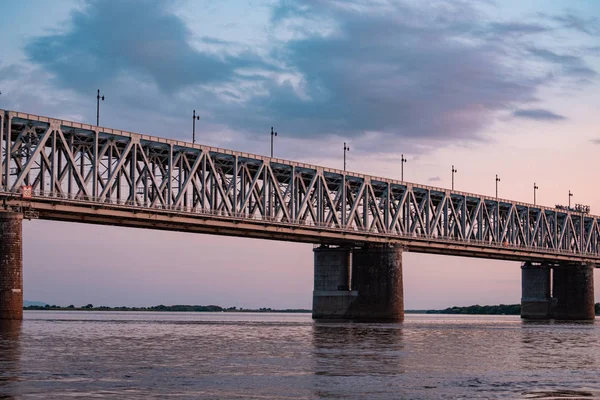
(436, 73)
(538, 114)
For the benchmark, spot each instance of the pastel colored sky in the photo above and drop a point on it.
(507, 87)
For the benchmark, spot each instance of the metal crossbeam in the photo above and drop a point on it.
(81, 169)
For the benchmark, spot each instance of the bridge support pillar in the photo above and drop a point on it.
(573, 292)
(535, 291)
(377, 277)
(332, 295)
(374, 275)
(11, 266)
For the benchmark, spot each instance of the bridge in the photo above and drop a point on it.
(68, 171)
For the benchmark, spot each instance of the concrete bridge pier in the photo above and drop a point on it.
(11, 266)
(376, 290)
(573, 292)
(535, 291)
(571, 297)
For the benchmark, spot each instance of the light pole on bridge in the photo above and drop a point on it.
(346, 149)
(402, 161)
(194, 119)
(535, 188)
(570, 195)
(273, 134)
(497, 180)
(98, 98)
(453, 172)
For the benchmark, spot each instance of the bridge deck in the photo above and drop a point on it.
(83, 173)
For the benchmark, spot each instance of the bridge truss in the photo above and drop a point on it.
(84, 173)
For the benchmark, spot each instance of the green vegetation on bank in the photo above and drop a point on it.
(174, 308)
(502, 309)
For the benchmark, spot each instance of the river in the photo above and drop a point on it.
(156, 355)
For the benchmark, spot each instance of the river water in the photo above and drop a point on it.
(146, 355)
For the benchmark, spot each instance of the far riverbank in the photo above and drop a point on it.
(501, 309)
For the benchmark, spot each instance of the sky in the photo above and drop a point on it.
(509, 88)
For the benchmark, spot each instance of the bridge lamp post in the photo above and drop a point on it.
(194, 119)
(346, 149)
(497, 180)
(453, 172)
(402, 161)
(535, 188)
(570, 195)
(273, 134)
(98, 98)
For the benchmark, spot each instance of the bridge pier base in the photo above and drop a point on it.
(535, 291)
(11, 266)
(573, 292)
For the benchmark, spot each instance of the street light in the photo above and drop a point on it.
(570, 195)
(346, 148)
(534, 189)
(272, 135)
(453, 172)
(98, 98)
(402, 161)
(497, 180)
(194, 119)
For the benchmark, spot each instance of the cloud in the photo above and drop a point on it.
(425, 73)
(434, 179)
(401, 71)
(572, 65)
(132, 37)
(595, 141)
(516, 28)
(538, 114)
(589, 26)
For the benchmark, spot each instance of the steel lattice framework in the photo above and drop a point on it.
(92, 174)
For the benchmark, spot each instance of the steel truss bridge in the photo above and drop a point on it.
(83, 173)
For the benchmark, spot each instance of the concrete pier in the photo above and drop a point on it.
(535, 291)
(332, 295)
(377, 277)
(11, 266)
(573, 292)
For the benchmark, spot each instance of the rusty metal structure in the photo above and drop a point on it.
(69, 171)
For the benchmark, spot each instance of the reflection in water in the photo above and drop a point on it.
(350, 348)
(10, 357)
(149, 355)
(351, 357)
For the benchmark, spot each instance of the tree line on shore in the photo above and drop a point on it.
(173, 308)
(501, 309)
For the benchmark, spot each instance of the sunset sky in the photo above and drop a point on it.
(508, 87)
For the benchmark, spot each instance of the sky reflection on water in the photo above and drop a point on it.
(281, 356)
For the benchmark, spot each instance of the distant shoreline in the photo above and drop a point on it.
(502, 309)
(163, 308)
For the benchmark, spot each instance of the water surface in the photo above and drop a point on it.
(156, 355)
